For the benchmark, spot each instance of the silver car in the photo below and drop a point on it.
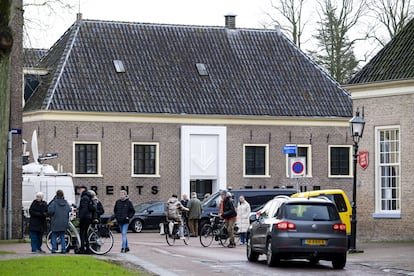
(297, 228)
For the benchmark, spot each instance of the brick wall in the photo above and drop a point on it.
(386, 111)
(116, 139)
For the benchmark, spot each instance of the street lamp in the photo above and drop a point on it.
(356, 124)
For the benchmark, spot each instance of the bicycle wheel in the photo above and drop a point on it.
(100, 245)
(223, 236)
(68, 240)
(206, 235)
(170, 238)
(186, 235)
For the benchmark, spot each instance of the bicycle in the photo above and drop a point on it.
(215, 230)
(100, 238)
(173, 233)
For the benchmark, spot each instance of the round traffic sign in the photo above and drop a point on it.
(298, 167)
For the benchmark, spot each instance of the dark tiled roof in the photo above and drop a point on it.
(251, 72)
(31, 57)
(394, 62)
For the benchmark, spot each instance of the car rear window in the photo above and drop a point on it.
(311, 212)
(338, 199)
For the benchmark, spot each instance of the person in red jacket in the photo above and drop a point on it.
(229, 214)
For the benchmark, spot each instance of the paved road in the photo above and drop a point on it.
(150, 251)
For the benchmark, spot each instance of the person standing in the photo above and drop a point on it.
(99, 207)
(229, 214)
(37, 223)
(59, 211)
(85, 211)
(194, 215)
(243, 218)
(184, 201)
(124, 211)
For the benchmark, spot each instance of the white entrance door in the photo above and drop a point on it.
(203, 156)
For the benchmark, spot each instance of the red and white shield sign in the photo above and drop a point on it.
(363, 159)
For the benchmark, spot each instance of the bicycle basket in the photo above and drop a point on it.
(103, 230)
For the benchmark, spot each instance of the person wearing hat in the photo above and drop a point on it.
(194, 215)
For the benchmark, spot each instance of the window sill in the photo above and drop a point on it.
(146, 175)
(87, 175)
(257, 176)
(386, 215)
(340, 176)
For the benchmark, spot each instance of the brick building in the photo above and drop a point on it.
(161, 109)
(384, 88)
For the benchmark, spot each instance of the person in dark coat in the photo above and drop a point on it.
(124, 211)
(59, 210)
(85, 211)
(37, 222)
(99, 208)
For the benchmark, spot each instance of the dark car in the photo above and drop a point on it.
(255, 197)
(299, 229)
(148, 215)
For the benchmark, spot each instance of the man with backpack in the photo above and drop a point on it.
(175, 209)
(85, 210)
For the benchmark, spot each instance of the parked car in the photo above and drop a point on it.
(338, 197)
(255, 197)
(148, 215)
(298, 228)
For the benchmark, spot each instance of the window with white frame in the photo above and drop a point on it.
(340, 161)
(145, 159)
(87, 158)
(387, 181)
(256, 160)
(302, 151)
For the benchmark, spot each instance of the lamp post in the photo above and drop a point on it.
(356, 124)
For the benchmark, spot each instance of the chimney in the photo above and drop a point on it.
(78, 16)
(230, 21)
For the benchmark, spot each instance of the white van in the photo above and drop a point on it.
(43, 178)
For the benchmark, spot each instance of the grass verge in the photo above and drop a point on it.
(63, 265)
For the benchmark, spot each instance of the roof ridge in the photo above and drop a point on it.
(65, 56)
(100, 21)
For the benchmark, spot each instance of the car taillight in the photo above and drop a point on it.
(339, 227)
(285, 225)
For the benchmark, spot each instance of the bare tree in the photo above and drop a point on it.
(335, 49)
(391, 14)
(292, 21)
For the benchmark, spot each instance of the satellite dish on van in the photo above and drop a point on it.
(35, 149)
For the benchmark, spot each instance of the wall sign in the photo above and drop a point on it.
(363, 160)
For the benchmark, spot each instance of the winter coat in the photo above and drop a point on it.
(38, 214)
(99, 209)
(59, 211)
(175, 209)
(243, 216)
(123, 209)
(229, 212)
(195, 209)
(86, 206)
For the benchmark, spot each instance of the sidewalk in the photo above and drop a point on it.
(394, 257)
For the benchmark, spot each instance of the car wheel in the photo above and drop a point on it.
(271, 257)
(339, 261)
(252, 256)
(137, 226)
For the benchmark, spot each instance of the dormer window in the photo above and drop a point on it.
(119, 66)
(202, 69)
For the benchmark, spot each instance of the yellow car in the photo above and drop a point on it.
(340, 199)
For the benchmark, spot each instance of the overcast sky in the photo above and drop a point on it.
(44, 26)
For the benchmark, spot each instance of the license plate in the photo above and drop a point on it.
(315, 242)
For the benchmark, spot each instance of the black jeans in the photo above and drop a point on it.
(84, 225)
